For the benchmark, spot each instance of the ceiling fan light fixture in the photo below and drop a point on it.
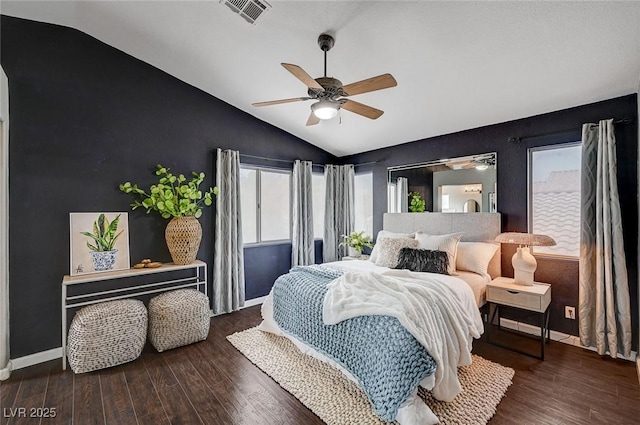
(325, 110)
(482, 166)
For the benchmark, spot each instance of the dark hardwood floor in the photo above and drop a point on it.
(212, 383)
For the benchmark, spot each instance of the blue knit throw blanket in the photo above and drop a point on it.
(387, 361)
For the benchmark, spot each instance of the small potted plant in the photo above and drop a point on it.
(103, 254)
(417, 204)
(356, 242)
(180, 199)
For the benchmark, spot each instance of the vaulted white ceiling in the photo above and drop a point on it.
(459, 65)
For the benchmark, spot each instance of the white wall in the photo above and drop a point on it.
(5, 366)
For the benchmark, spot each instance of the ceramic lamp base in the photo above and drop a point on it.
(524, 266)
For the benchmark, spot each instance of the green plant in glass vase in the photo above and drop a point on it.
(358, 241)
(182, 200)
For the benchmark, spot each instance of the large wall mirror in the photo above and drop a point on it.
(466, 184)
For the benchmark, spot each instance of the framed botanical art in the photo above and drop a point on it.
(99, 242)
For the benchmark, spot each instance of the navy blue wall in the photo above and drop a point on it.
(86, 117)
(512, 184)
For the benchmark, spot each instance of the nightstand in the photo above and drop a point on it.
(361, 257)
(503, 291)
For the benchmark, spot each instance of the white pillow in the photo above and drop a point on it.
(447, 243)
(390, 249)
(475, 257)
(389, 235)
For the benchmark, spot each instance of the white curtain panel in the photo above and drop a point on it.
(339, 216)
(228, 256)
(302, 247)
(604, 309)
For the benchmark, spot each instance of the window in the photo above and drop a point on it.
(363, 202)
(554, 197)
(265, 205)
(318, 188)
(249, 204)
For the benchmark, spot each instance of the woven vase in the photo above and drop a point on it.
(183, 235)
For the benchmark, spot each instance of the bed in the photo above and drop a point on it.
(393, 330)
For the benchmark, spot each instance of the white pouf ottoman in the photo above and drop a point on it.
(106, 334)
(178, 318)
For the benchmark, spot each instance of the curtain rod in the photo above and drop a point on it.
(520, 139)
(286, 161)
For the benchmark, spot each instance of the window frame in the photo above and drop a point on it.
(530, 152)
(259, 169)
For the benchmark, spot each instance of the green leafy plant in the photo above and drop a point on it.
(417, 204)
(357, 241)
(104, 234)
(172, 196)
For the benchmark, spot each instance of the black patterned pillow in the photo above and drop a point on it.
(423, 260)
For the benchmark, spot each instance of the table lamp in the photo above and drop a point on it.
(524, 263)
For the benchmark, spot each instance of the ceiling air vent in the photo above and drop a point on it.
(250, 10)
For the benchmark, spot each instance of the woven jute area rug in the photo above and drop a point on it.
(339, 401)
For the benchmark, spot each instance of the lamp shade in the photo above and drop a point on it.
(524, 263)
(525, 239)
(325, 109)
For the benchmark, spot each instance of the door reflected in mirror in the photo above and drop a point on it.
(446, 185)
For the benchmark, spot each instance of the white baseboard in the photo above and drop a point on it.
(6, 372)
(557, 336)
(247, 303)
(255, 301)
(35, 358)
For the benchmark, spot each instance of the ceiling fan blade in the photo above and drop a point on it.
(380, 82)
(278, 102)
(364, 110)
(312, 120)
(302, 75)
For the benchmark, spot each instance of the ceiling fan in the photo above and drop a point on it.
(481, 162)
(329, 92)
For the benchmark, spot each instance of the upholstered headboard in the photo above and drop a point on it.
(477, 227)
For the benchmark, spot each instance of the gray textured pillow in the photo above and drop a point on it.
(390, 249)
(387, 235)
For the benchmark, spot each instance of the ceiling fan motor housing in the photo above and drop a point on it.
(332, 88)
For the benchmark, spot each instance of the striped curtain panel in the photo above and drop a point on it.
(604, 307)
(228, 256)
(339, 216)
(302, 247)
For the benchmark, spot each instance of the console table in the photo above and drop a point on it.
(156, 280)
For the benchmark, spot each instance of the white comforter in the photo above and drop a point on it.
(439, 311)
